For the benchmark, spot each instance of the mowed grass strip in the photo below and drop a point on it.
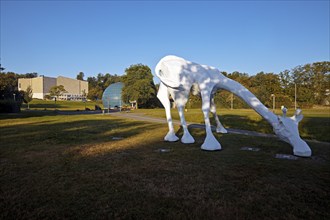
(37, 104)
(315, 124)
(72, 167)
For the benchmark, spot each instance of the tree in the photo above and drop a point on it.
(311, 80)
(92, 81)
(28, 75)
(263, 85)
(80, 76)
(93, 88)
(95, 93)
(110, 79)
(8, 85)
(84, 93)
(28, 95)
(139, 86)
(57, 91)
(98, 84)
(320, 75)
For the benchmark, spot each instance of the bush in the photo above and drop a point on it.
(47, 97)
(9, 106)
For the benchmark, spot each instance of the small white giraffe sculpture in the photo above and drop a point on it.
(178, 75)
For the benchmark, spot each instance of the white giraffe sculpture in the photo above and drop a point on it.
(178, 75)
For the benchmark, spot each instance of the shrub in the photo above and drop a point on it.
(9, 106)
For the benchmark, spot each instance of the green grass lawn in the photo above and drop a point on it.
(71, 167)
(315, 124)
(37, 104)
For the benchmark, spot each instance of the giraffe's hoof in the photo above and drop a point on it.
(171, 137)
(221, 130)
(211, 148)
(211, 144)
(187, 139)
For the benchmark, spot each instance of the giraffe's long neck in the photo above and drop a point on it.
(242, 92)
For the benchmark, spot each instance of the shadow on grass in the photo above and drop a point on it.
(245, 123)
(70, 167)
(315, 128)
(70, 131)
(26, 114)
(40, 113)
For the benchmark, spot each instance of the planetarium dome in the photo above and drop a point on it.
(111, 97)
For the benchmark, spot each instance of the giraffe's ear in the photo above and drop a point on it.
(298, 116)
(298, 112)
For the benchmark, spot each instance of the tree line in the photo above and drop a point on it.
(308, 84)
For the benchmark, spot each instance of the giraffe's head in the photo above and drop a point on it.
(287, 130)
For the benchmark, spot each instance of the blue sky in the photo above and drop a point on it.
(65, 37)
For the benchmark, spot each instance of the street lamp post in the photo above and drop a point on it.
(273, 95)
(14, 97)
(109, 105)
(84, 100)
(295, 96)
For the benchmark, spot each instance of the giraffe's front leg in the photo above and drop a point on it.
(162, 95)
(210, 142)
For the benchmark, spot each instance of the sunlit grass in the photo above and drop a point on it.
(315, 124)
(37, 104)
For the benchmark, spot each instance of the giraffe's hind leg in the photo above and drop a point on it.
(186, 138)
(210, 142)
(220, 128)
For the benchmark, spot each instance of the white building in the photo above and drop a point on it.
(76, 89)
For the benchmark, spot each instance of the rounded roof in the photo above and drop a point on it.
(112, 95)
